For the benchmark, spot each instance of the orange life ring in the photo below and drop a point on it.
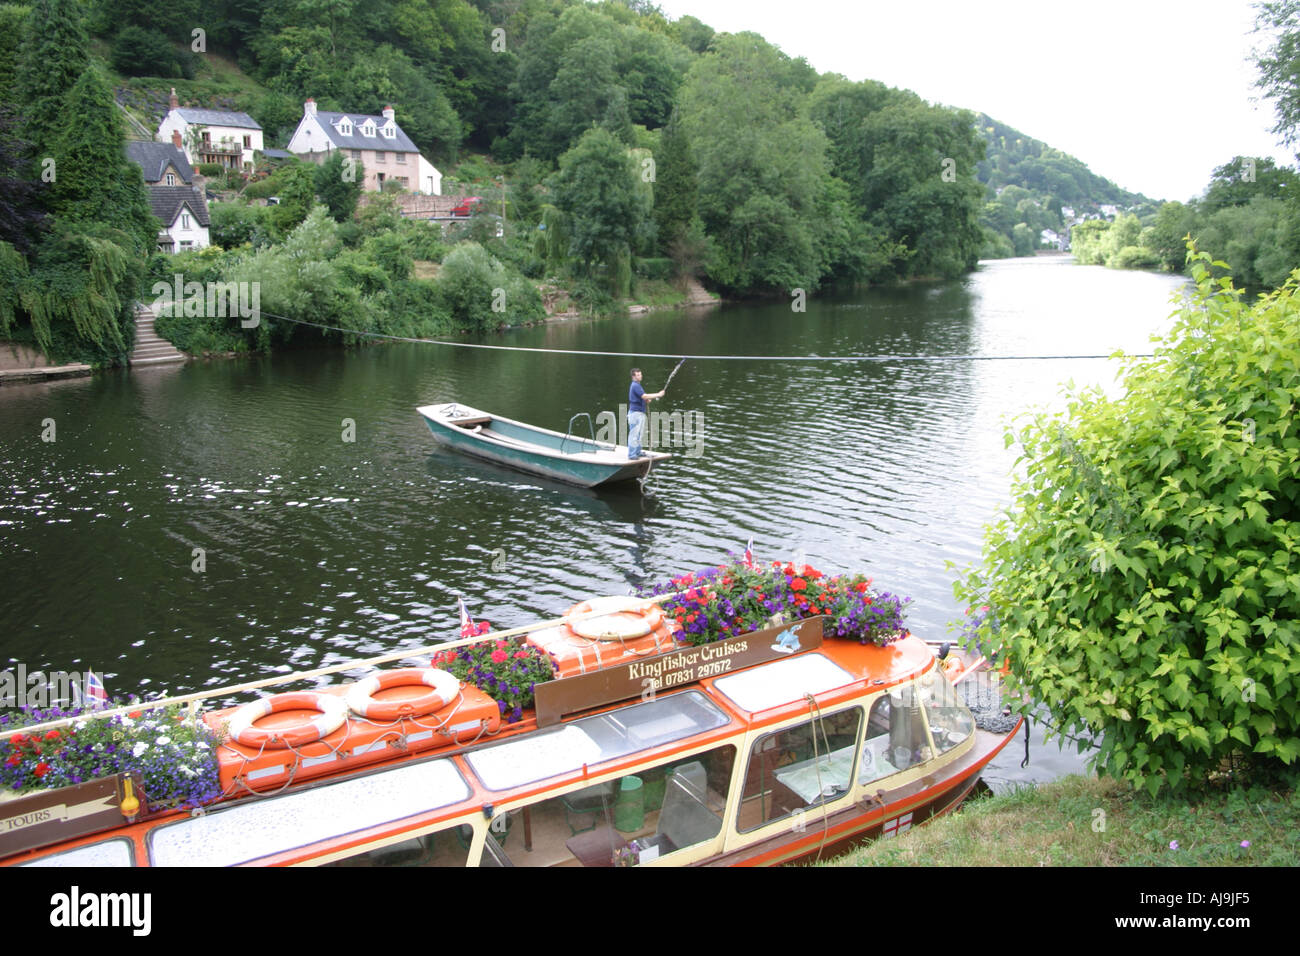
(443, 688)
(625, 618)
(333, 712)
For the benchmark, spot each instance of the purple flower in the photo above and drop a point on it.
(1173, 844)
(1245, 844)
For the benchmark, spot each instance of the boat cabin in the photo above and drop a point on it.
(800, 755)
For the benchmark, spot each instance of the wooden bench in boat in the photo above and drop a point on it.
(470, 422)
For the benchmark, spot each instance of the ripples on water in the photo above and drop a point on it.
(319, 550)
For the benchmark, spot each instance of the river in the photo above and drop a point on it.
(195, 526)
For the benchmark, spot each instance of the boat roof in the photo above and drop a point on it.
(461, 777)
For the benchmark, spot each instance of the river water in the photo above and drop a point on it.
(315, 549)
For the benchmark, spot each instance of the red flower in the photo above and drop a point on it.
(692, 616)
(42, 769)
(798, 584)
(519, 654)
(498, 656)
(13, 761)
(483, 628)
(52, 735)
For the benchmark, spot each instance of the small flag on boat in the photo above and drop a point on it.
(96, 693)
(897, 825)
(749, 554)
(467, 626)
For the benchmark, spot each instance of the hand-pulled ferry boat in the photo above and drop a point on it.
(769, 747)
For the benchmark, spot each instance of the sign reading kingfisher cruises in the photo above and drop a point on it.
(51, 816)
(646, 676)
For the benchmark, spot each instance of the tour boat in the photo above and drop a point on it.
(572, 459)
(777, 745)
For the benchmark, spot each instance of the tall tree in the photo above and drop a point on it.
(596, 190)
(94, 182)
(677, 192)
(1279, 64)
(53, 57)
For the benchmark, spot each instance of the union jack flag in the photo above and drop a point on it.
(96, 693)
(467, 626)
(749, 554)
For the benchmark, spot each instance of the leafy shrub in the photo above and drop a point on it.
(1144, 585)
(1134, 257)
(653, 268)
(210, 169)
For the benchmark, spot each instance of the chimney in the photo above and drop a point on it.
(176, 138)
(174, 102)
(389, 113)
(309, 108)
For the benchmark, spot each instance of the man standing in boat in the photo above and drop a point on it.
(636, 399)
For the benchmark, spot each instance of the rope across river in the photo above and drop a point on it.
(703, 358)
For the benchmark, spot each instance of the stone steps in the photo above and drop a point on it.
(150, 347)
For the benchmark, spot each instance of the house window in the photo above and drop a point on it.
(171, 179)
(185, 220)
(400, 157)
(207, 138)
(390, 132)
(368, 129)
(345, 128)
(248, 142)
(356, 154)
(381, 156)
(186, 245)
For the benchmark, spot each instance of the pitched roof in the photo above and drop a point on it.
(401, 143)
(166, 201)
(154, 157)
(216, 117)
(277, 154)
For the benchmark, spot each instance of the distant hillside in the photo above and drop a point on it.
(1028, 183)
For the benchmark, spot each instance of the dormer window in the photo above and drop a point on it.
(171, 179)
(390, 132)
(345, 127)
(368, 129)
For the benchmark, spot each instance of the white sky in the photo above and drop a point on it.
(1152, 94)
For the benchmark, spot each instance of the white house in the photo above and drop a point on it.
(211, 136)
(376, 143)
(175, 201)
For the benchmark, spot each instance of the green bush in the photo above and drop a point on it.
(1134, 257)
(140, 52)
(1145, 584)
(210, 169)
(653, 268)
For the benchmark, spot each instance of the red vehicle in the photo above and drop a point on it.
(467, 207)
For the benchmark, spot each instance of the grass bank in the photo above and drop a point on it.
(1082, 821)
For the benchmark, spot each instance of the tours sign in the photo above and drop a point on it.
(647, 676)
(51, 816)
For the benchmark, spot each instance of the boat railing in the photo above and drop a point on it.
(193, 700)
(591, 430)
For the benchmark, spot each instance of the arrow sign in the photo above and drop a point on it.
(52, 816)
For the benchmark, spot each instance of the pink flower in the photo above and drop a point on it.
(499, 656)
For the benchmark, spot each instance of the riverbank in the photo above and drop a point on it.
(20, 363)
(1084, 821)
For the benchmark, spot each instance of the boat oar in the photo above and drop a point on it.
(663, 391)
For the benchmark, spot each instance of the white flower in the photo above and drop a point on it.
(200, 745)
(138, 749)
(128, 722)
(79, 725)
(163, 741)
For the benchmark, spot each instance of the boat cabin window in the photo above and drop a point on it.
(593, 740)
(115, 852)
(799, 767)
(251, 830)
(950, 721)
(896, 732)
(449, 846)
(629, 821)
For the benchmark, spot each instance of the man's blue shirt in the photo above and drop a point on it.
(635, 399)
